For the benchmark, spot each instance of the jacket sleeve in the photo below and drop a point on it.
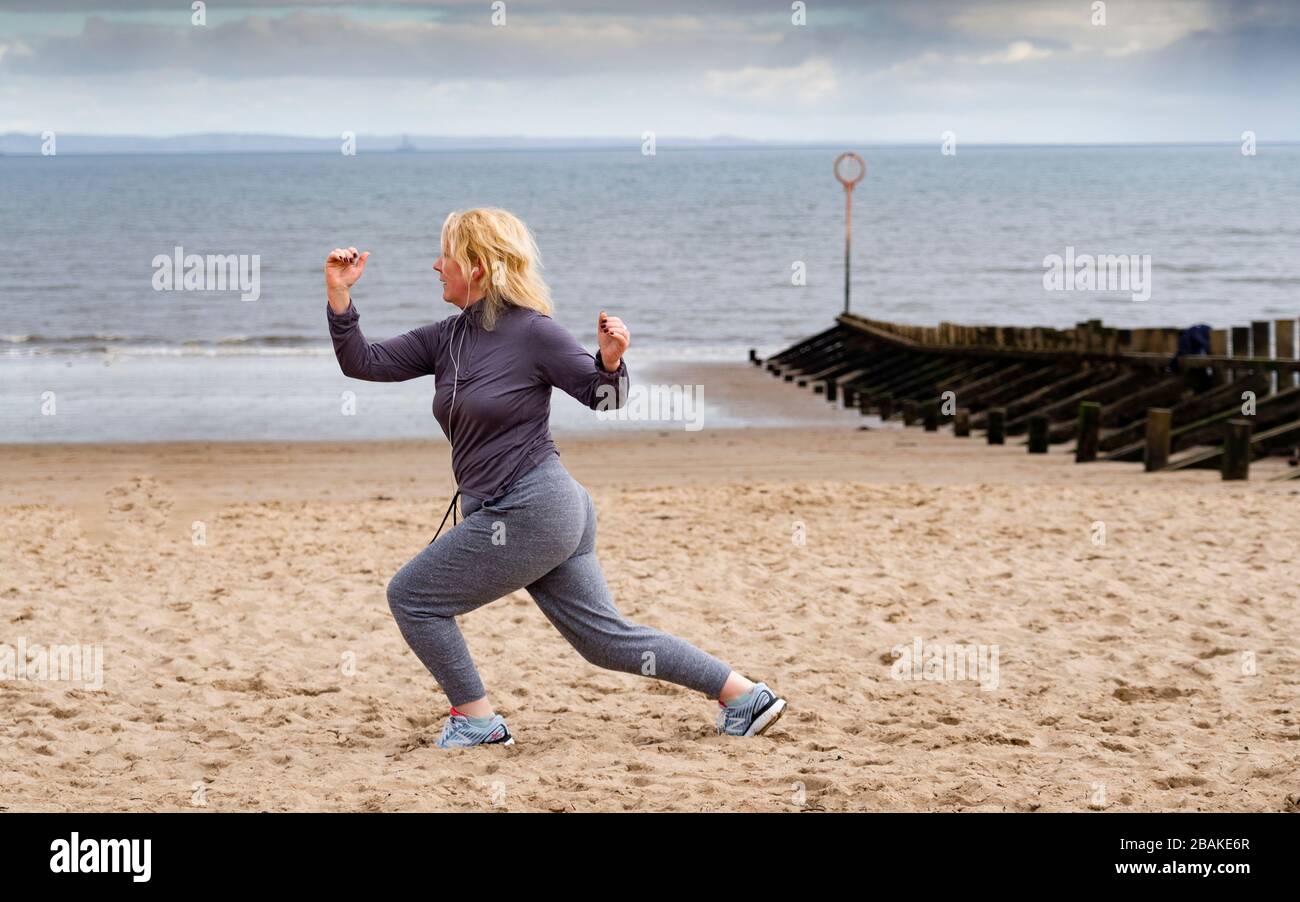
(563, 363)
(402, 357)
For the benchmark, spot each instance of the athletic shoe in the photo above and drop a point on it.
(758, 711)
(459, 733)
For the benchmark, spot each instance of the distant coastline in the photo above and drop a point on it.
(18, 144)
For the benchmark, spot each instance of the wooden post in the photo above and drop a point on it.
(886, 406)
(1259, 344)
(961, 423)
(1240, 347)
(910, 412)
(930, 415)
(832, 388)
(1219, 348)
(997, 434)
(1259, 335)
(1236, 450)
(1284, 335)
(1038, 434)
(1085, 450)
(1160, 421)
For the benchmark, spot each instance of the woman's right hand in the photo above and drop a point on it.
(343, 267)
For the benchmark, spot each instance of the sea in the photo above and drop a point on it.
(705, 253)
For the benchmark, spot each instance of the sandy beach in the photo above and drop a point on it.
(261, 670)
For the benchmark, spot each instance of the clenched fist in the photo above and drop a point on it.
(343, 267)
(614, 339)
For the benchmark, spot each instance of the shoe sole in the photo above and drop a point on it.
(510, 741)
(767, 718)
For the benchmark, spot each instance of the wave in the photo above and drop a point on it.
(1186, 267)
(1264, 280)
(38, 345)
(100, 337)
(38, 339)
(59, 349)
(290, 346)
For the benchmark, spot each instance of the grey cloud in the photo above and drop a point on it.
(457, 40)
(318, 44)
(703, 60)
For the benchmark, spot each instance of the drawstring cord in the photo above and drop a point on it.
(451, 511)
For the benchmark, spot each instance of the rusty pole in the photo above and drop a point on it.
(849, 181)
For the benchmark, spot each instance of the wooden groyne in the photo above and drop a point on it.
(1115, 394)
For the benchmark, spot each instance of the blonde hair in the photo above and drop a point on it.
(500, 244)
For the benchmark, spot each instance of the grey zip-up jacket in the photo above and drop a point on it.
(500, 428)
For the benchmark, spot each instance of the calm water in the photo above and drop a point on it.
(693, 248)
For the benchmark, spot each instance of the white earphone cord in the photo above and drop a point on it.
(451, 409)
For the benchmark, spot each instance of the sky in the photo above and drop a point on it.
(868, 72)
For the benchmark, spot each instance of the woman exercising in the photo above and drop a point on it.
(528, 523)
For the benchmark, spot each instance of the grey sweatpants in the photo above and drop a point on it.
(540, 536)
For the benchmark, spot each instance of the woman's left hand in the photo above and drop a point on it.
(614, 339)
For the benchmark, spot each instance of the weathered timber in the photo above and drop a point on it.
(1260, 336)
(930, 415)
(1002, 395)
(996, 420)
(1126, 443)
(1163, 343)
(1261, 444)
(961, 423)
(1018, 411)
(1159, 423)
(842, 365)
(973, 370)
(1236, 449)
(1038, 434)
(845, 383)
(1131, 405)
(922, 382)
(833, 334)
(972, 394)
(882, 364)
(1240, 337)
(890, 368)
(841, 359)
(1045, 375)
(809, 356)
(817, 356)
(1065, 423)
(1085, 451)
(1284, 336)
(1269, 412)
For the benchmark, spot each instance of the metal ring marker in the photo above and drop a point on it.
(859, 165)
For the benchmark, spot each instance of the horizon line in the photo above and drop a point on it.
(523, 142)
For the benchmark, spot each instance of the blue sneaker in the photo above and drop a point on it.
(459, 733)
(753, 714)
